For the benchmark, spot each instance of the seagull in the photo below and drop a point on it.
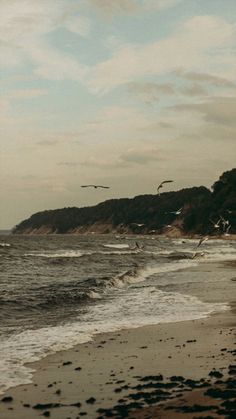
(224, 222)
(216, 224)
(176, 212)
(138, 224)
(95, 186)
(161, 185)
(227, 230)
(138, 246)
(202, 240)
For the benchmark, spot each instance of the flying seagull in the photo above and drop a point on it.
(224, 222)
(175, 212)
(95, 186)
(161, 185)
(202, 240)
(215, 224)
(227, 230)
(138, 224)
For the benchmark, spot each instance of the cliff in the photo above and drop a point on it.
(199, 209)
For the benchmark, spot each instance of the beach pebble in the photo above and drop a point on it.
(7, 399)
(91, 400)
(215, 374)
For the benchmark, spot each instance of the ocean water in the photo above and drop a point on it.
(59, 291)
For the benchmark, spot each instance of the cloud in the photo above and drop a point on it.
(195, 85)
(206, 78)
(150, 92)
(189, 47)
(80, 25)
(160, 4)
(195, 89)
(23, 33)
(111, 8)
(32, 18)
(119, 124)
(47, 142)
(103, 164)
(141, 156)
(52, 64)
(217, 111)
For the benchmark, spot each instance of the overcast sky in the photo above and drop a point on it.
(124, 93)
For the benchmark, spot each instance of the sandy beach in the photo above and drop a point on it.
(121, 374)
(118, 209)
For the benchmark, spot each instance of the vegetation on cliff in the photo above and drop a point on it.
(199, 209)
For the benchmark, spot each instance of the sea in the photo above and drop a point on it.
(58, 291)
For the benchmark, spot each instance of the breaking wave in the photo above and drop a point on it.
(138, 274)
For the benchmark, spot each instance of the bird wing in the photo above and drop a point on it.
(162, 183)
(95, 186)
(201, 241)
(101, 186)
(166, 181)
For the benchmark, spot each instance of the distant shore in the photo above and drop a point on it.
(174, 234)
(171, 370)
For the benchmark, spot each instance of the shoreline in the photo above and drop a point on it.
(117, 368)
(179, 235)
(101, 373)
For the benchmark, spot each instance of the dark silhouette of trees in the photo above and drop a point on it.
(198, 206)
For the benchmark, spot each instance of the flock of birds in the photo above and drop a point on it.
(108, 187)
(221, 222)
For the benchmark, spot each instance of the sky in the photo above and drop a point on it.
(123, 93)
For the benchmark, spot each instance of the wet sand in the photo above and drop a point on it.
(130, 370)
(173, 370)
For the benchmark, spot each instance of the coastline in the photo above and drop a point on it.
(115, 370)
(172, 234)
(109, 370)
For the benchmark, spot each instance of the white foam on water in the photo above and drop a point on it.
(94, 295)
(220, 256)
(5, 244)
(58, 254)
(130, 309)
(136, 275)
(117, 246)
(119, 252)
(213, 249)
(122, 306)
(78, 253)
